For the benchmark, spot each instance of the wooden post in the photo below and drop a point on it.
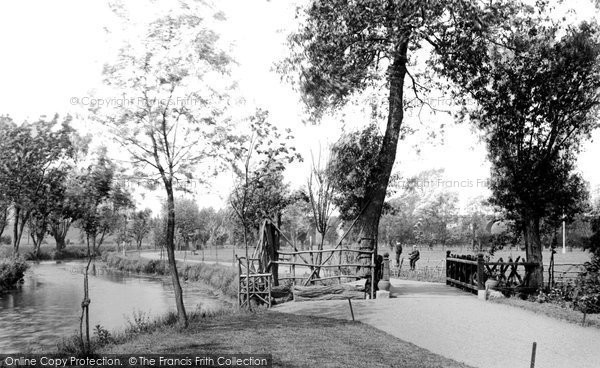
(340, 266)
(373, 278)
(294, 270)
(533, 348)
(351, 311)
(448, 275)
(480, 272)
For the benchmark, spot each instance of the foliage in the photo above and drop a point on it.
(342, 49)
(187, 219)
(435, 215)
(353, 157)
(12, 271)
(593, 242)
(31, 156)
(537, 91)
(102, 202)
(141, 225)
(102, 335)
(260, 191)
(587, 288)
(296, 219)
(214, 226)
(179, 76)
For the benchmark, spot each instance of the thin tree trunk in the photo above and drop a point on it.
(379, 176)
(182, 316)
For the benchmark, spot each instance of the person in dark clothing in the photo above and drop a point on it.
(414, 257)
(398, 250)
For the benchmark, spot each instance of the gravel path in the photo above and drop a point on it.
(457, 325)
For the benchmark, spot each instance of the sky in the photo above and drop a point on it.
(53, 53)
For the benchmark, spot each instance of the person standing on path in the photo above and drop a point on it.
(414, 257)
(398, 251)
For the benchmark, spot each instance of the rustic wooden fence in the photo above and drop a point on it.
(253, 282)
(471, 272)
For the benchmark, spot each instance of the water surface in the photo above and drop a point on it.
(47, 306)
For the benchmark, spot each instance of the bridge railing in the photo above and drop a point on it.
(471, 272)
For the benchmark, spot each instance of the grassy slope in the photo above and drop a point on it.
(293, 341)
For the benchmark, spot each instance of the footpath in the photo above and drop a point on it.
(457, 325)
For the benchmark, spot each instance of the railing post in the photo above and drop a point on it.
(447, 268)
(480, 275)
(294, 270)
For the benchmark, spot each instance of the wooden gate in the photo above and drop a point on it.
(261, 273)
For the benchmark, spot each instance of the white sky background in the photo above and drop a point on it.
(53, 51)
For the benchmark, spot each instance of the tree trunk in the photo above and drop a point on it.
(533, 251)
(377, 182)
(182, 316)
(59, 232)
(16, 239)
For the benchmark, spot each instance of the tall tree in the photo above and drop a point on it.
(260, 191)
(320, 193)
(30, 153)
(179, 77)
(435, 214)
(141, 226)
(537, 93)
(50, 197)
(100, 205)
(345, 47)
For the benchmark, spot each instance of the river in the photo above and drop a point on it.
(47, 306)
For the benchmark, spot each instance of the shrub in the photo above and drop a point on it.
(6, 240)
(12, 271)
(587, 288)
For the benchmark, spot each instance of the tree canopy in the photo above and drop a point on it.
(537, 95)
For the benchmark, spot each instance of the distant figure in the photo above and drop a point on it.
(414, 257)
(398, 250)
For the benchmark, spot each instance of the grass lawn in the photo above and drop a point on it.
(293, 341)
(552, 310)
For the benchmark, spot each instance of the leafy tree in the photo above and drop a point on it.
(213, 226)
(65, 212)
(260, 191)
(537, 95)
(99, 211)
(435, 215)
(49, 198)
(179, 77)
(320, 194)
(4, 207)
(353, 157)
(102, 202)
(141, 226)
(30, 155)
(343, 48)
(296, 219)
(187, 218)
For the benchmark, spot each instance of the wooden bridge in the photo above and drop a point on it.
(471, 272)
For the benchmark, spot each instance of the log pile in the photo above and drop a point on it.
(329, 292)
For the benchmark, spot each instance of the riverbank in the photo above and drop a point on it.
(220, 277)
(292, 340)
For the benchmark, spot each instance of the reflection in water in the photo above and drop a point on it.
(48, 305)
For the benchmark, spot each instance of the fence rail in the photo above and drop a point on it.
(471, 273)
